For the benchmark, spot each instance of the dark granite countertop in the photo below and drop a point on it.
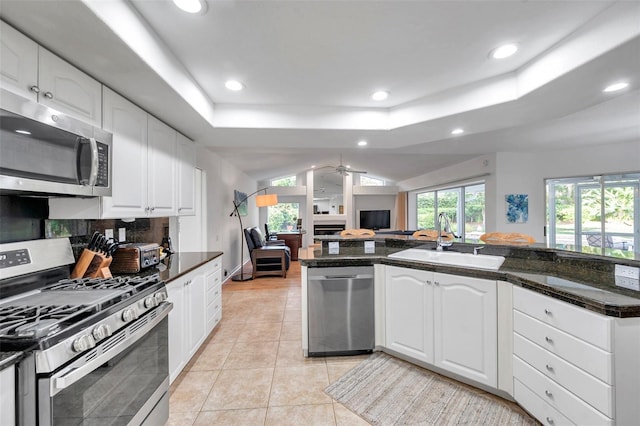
(178, 264)
(580, 280)
(7, 359)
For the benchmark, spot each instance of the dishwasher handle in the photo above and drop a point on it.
(340, 277)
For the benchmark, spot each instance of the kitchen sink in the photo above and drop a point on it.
(481, 261)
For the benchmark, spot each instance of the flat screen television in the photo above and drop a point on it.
(375, 219)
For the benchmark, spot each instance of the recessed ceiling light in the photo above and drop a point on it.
(457, 131)
(189, 6)
(380, 95)
(616, 86)
(348, 166)
(234, 85)
(362, 143)
(504, 51)
(23, 132)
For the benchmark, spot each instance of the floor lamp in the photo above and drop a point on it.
(262, 200)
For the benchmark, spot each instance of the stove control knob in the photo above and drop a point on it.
(83, 343)
(150, 302)
(101, 332)
(128, 315)
(160, 297)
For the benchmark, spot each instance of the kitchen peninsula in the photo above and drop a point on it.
(549, 329)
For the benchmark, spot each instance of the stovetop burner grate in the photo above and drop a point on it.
(39, 321)
(115, 283)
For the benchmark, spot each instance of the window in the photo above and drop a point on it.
(463, 205)
(285, 181)
(594, 214)
(370, 181)
(282, 217)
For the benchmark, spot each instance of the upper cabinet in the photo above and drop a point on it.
(144, 168)
(35, 73)
(161, 151)
(128, 124)
(18, 62)
(186, 176)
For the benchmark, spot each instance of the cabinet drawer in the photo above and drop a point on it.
(214, 305)
(212, 294)
(553, 394)
(580, 383)
(542, 411)
(588, 326)
(213, 318)
(577, 352)
(214, 281)
(215, 264)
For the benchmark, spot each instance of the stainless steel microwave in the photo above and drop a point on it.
(43, 151)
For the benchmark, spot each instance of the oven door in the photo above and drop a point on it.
(124, 380)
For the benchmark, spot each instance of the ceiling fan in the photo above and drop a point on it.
(341, 169)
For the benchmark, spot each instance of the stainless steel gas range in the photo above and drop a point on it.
(97, 349)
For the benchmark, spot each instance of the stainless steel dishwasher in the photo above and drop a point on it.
(340, 307)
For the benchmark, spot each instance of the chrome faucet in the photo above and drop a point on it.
(447, 228)
(477, 249)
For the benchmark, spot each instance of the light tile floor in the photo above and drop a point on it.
(251, 370)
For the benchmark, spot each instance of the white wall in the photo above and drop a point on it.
(524, 173)
(223, 232)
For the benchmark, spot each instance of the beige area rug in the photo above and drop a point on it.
(384, 390)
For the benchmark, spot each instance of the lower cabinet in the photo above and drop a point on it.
(409, 312)
(213, 282)
(446, 320)
(8, 395)
(574, 366)
(192, 317)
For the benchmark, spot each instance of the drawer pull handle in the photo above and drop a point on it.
(548, 393)
(429, 282)
(549, 367)
(549, 420)
(547, 311)
(549, 339)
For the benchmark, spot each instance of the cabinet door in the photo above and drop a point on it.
(409, 320)
(162, 169)
(128, 123)
(177, 329)
(466, 327)
(186, 176)
(18, 62)
(67, 89)
(195, 295)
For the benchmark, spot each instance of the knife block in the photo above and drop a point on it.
(92, 265)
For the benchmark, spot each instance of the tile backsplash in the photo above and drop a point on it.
(26, 218)
(143, 230)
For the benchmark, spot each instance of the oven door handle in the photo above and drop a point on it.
(107, 351)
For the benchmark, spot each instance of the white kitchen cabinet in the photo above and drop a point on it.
(143, 170)
(7, 395)
(128, 124)
(186, 320)
(35, 73)
(178, 335)
(408, 312)
(446, 320)
(192, 318)
(564, 360)
(213, 282)
(466, 327)
(186, 176)
(161, 153)
(18, 62)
